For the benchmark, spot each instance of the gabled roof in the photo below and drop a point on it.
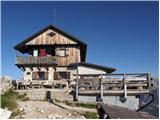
(52, 28)
(104, 68)
(83, 46)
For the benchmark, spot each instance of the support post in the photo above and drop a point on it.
(101, 87)
(17, 85)
(67, 85)
(31, 85)
(42, 84)
(149, 80)
(125, 87)
(25, 85)
(77, 85)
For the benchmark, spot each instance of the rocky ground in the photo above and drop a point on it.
(45, 110)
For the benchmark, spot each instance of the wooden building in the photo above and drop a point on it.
(52, 56)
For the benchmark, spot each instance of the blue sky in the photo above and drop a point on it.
(123, 35)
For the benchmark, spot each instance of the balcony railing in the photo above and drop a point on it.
(22, 60)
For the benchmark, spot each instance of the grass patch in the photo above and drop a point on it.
(70, 104)
(8, 100)
(90, 115)
(83, 105)
(22, 97)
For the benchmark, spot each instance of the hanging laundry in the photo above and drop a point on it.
(42, 52)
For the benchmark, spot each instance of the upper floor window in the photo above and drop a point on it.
(35, 53)
(62, 52)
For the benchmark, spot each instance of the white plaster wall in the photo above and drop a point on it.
(43, 69)
(51, 74)
(61, 68)
(73, 73)
(88, 70)
(27, 78)
(131, 103)
(35, 69)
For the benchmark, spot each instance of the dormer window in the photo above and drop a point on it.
(51, 34)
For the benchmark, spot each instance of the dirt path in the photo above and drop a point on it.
(44, 109)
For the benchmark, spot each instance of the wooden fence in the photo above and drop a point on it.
(113, 84)
(36, 60)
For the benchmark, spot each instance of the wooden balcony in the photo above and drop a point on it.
(31, 60)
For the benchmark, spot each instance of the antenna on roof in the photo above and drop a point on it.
(54, 16)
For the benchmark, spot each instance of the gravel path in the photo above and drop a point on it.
(44, 109)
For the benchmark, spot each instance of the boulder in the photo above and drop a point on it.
(5, 84)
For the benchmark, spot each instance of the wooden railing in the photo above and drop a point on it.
(35, 60)
(113, 84)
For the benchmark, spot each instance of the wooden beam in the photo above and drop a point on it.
(149, 80)
(77, 85)
(113, 92)
(101, 88)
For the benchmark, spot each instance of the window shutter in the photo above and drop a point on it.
(46, 75)
(56, 76)
(68, 75)
(35, 76)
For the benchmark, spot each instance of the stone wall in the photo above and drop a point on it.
(36, 94)
(131, 103)
(42, 94)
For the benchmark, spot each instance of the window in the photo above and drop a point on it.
(51, 34)
(28, 73)
(62, 52)
(50, 51)
(35, 53)
(61, 75)
(40, 76)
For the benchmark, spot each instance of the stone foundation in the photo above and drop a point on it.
(43, 94)
(131, 103)
(37, 94)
